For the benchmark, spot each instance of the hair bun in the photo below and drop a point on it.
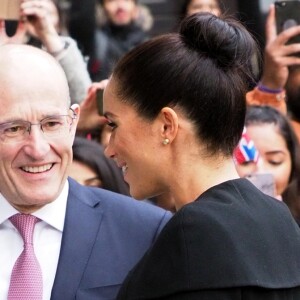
(221, 39)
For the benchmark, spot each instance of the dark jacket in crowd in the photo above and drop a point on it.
(111, 43)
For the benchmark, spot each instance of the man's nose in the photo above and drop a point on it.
(36, 145)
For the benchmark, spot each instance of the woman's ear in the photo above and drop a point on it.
(169, 125)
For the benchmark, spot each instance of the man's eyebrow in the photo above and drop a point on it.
(43, 116)
(11, 120)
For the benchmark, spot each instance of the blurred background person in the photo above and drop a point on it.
(280, 80)
(91, 167)
(279, 87)
(278, 150)
(194, 6)
(119, 34)
(40, 26)
(276, 144)
(246, 157)
(189, 7)
(143, 16)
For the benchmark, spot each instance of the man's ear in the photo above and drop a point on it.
(76, 110)
(169, 124)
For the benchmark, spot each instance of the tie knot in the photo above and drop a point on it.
(25, 225)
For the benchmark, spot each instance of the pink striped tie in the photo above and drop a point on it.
(26, 282)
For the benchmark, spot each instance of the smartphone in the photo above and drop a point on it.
(10, 9)
(264, 182)
(287, 15)
(99, 99)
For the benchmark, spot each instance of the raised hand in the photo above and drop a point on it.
(278, 54)
(42, 21)
(89, 116)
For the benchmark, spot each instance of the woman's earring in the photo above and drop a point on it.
(166, 141)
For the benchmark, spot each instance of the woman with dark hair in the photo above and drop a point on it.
(176, 105)
(278, 150)
(267, 122)
(91, 167)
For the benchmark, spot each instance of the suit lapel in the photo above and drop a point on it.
(81, 226)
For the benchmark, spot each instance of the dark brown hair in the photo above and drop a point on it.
(92, 155)
(204, 70)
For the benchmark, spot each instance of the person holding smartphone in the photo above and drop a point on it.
(39, 25)
(280, 61)
(277, 152)
(279, 86)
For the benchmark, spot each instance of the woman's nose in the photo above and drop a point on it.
(260, 166)
(108, 151)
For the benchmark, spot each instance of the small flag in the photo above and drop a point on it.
(245, 151)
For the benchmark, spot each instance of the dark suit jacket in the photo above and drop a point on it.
(233, 242)
(104, 235)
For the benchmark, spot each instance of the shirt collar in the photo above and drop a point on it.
(52, 213)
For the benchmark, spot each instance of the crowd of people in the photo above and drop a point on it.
(163, 167)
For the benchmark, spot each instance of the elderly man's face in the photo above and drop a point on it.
(33, 170)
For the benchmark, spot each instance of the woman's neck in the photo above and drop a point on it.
(198, 177)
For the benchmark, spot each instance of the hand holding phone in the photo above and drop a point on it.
(10, 9)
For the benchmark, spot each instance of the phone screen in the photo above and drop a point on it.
(264, 182)
(287, 15)
(99, 99)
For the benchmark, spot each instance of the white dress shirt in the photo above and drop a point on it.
(46, 238)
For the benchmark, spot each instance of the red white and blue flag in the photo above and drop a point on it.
(245, 151)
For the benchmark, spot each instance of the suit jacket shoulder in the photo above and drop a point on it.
(104, 236)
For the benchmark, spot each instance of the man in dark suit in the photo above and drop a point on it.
(105, 235)
(85, 240)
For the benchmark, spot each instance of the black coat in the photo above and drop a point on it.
(233, 242)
